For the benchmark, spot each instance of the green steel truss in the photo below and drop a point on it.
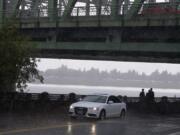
(60, 22)
(56, 10)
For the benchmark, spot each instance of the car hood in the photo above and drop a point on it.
(87, 104)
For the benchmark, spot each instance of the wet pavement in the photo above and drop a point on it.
(61, 124)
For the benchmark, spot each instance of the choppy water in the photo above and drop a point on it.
(85, 90)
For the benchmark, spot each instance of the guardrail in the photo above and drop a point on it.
(55, 97)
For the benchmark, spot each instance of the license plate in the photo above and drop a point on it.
(80, 112)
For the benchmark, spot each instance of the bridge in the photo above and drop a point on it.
(139, 30)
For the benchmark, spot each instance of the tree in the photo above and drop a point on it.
(17, 66)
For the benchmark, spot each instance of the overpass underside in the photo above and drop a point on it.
(101, 30)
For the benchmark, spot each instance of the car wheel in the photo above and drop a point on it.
(123, 114)
(102, 115)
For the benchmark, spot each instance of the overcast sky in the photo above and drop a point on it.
(147, 68)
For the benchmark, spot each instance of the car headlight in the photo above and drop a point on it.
(71, 107)
(95, 109)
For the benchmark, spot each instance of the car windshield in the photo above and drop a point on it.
(95, 98)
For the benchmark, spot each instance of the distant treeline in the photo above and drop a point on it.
(132, 78)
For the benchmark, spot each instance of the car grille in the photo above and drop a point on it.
(80, 110)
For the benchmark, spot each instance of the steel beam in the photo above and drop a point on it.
(15, 7)
(69, 8)
(126, 6)
(135, 7)
(98, 5)
(95, 2)
(115, 6)
(52, 9)
(87, 7)
(35, 11)
(142, 52)
(127, 46)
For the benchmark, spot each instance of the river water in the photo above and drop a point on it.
(85, 90)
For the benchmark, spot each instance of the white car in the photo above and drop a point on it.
(98, 106)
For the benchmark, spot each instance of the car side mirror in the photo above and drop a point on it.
(110, 102)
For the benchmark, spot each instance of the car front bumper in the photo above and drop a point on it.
(89, 114)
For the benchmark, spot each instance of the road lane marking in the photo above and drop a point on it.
(39, 128)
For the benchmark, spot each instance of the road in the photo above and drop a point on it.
(60, 124)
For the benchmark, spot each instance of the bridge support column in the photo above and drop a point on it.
(52, 9)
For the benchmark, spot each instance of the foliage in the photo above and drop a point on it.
(17, 66)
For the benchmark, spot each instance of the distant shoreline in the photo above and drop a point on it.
(125, 83)
(114, 78)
